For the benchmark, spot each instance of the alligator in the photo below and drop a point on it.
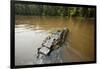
(52, 41)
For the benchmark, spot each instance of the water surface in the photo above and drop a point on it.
(30, 31)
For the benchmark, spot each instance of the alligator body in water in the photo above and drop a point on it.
(53, 41)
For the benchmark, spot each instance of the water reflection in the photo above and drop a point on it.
(30, 31)
(27, 40)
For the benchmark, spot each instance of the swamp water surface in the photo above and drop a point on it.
(30, 31)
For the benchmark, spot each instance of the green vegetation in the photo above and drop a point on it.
(47, 10)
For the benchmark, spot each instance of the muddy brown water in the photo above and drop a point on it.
(30, 31)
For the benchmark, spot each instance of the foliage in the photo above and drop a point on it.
(47, 10)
